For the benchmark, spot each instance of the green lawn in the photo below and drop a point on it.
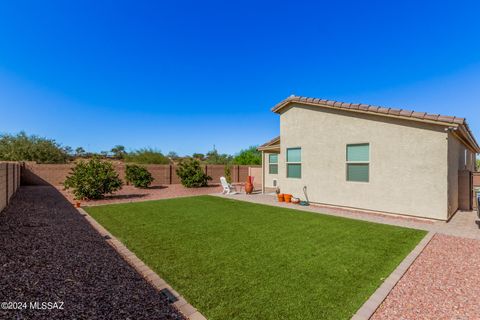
(238, 260)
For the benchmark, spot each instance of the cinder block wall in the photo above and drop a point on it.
(476, 184)
(9, 182)
(55, 174)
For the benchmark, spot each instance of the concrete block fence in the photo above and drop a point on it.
(55, 174)
(476, 184)
(9, 182)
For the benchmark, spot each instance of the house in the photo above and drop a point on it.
(371, 158)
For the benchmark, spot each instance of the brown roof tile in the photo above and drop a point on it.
(459, 120)
(394, 111)
(406, 113)
(269, 142)
(383, 110)
(431, 117)
(402, 113)
(446, 118)
(418, 115)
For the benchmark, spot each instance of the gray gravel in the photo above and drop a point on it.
(49, 253)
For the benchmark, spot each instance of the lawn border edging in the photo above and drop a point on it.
(367, 310)
(186, 309)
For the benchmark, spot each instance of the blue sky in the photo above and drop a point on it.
(187, 75)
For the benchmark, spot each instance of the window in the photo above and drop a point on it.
(358, 162)
(294, 163)
(273, 163)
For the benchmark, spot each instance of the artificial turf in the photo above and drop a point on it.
(238, 260)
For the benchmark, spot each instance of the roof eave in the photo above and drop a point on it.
(285, 103)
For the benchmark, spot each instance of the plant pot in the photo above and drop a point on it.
(248, 188)
(77, 204)
(288, 197)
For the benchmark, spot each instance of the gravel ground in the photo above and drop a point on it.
(441, 284)
(49, 253)
(132, 194)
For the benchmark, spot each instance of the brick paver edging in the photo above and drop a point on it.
(148, 274)
(376, 299)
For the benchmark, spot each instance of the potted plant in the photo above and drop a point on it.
(287, 197)
(279, 195)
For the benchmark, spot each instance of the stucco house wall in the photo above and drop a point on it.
(269, 177)
(459, 158)
(408, 161)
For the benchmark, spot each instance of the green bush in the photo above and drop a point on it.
(213, 157)
(139, 176)
(146, 156)
(228, 173)
(250, 156)
(93, 179)
(191, 174)
(22, 147)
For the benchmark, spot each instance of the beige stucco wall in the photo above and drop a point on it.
(459, 158)
(269, 177)
(408, 161)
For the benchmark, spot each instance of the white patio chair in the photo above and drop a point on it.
(227, 187)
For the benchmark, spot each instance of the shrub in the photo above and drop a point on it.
(191, 174)
(93, 179)
(22, 147)
(146, 156)
(250, 156)
(138, 176)
(228, 173)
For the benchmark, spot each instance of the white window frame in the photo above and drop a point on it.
(287, 163)
(269, 164)
(358, 162)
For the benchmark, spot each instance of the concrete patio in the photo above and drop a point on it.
(464, 224)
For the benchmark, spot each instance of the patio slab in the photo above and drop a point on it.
(463, 224)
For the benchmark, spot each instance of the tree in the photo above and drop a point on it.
(250, 156)
(22, 147)
(191, 174)
(173, 155)
(213, 157)
(478, 164)
(68, 150)
(198, 156)
(93, 179)
(118, 152)
(79, 152)
(146, 156)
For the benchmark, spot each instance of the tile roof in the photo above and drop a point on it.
(381, 111)
(370, 109)
(266, 144)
